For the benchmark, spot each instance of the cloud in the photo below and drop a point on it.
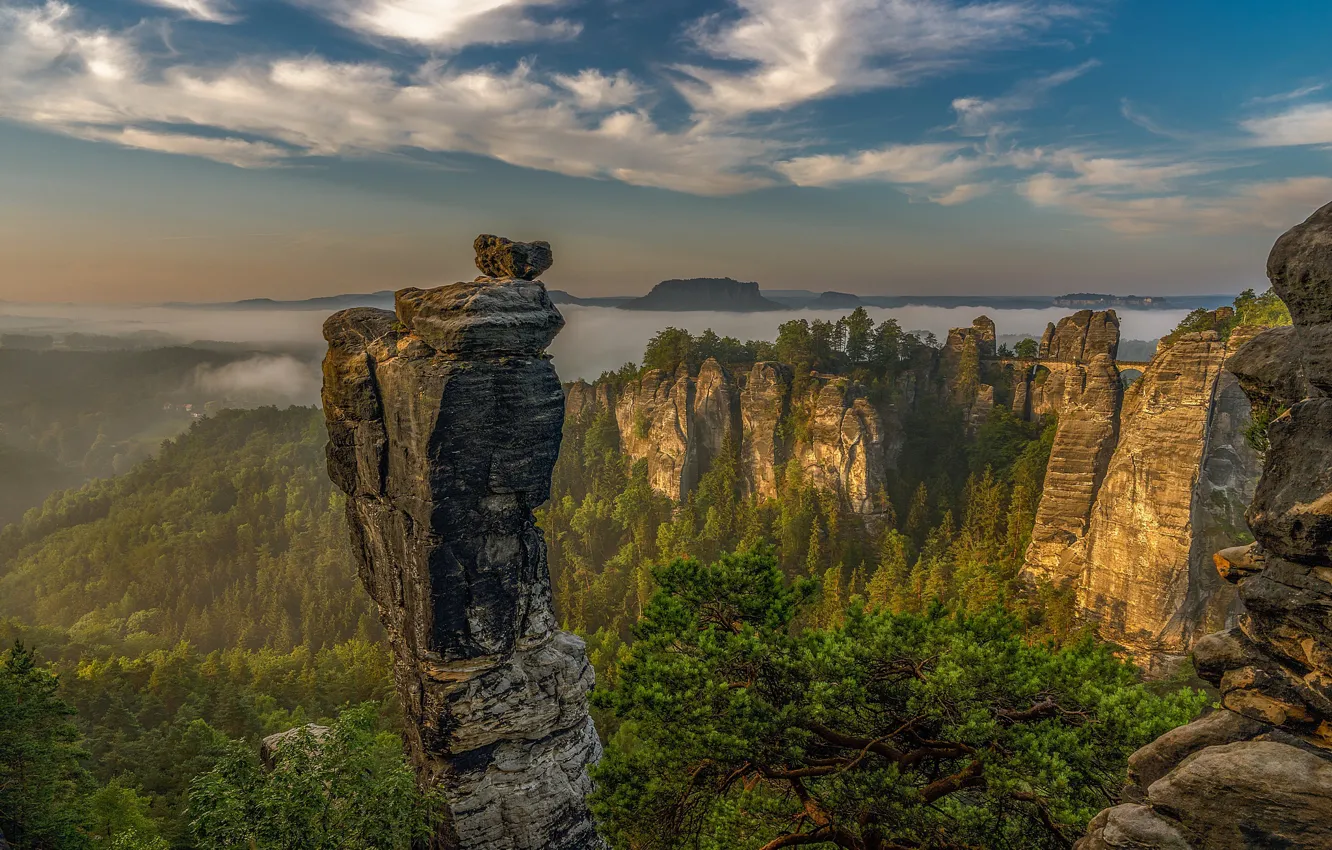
(1270, 204)
(262, 379)
(1309, 124)
(444, 23)
(1283, 97)
(980, 117)
(932, 164)
(594, 90)
(95, 84)
(212, 11)
(801, 50)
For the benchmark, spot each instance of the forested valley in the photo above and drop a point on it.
(159, 623)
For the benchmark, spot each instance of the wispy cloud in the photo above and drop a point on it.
(444, 23)
(978, 116)
(1285, 97)
(94, 83)
(1308, 124)
(212, 11)
(938, 164)
(802, 50)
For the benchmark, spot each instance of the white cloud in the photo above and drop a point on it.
(94, 84)
(1267, 204)
(594, 90)
(928, 164)
(980, 117)
(800, 50)
(1309, 124)
(443, 23)
(212, 11)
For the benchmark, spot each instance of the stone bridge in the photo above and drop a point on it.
(1033, 362)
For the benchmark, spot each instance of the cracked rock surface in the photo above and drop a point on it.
(444, 422)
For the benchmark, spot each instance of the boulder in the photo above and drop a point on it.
(498, 257)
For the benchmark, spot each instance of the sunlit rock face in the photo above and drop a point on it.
(765, 402)
(444, 423)
(844, 452)
(1141, 585)
(655, 419)
(1142, 486)
(1085, 440)
(1258, 773)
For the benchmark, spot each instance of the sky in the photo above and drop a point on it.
(210, 150)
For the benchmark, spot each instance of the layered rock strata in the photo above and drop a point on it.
(1085, 440)
(1258, 773)
(444, 423)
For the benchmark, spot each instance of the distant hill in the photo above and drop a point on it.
(836, 301)
(559, 296)
(705, 293)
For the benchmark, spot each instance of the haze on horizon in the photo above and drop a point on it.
(213, 150)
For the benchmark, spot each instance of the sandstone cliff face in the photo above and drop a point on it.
(1087, 434)
(764, 403)
(1258, 773)
(681, 423)
(655, 418)
(444, 422)
(1080, 337)
(1136, 584)
(845, 448)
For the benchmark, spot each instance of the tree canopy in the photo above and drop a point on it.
(745, 729)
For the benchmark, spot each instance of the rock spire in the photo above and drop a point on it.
(444, 422)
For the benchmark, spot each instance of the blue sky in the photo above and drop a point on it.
(211, 149)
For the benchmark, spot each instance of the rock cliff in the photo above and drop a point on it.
(705, 293)
(844, 452)
(1258, 773)
(1138, 586)
(1080, 337)
(680, 424)
(444, 423)
(765, 403)
(656, 422)
(1085, 440)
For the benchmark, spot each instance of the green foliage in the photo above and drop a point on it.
(1264, 311)
(934, 731)
(1026, 348)
(42, 785)
(348, 788)
(231, 537)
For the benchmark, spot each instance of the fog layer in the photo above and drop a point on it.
(594, 340)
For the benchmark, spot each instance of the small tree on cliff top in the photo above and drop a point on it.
(889, 731)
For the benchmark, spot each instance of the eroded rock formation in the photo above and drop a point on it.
(765, 403)
(1140, 493)
(444, 423)
(844, 452)
(1258, 773)
(1140, 585)
(1085, 440)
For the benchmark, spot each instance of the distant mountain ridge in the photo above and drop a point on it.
(705, 293)
(679, 296)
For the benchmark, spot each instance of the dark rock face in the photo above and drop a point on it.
(503, 258)
(1258, 774)
(444, 424)
(704, 293)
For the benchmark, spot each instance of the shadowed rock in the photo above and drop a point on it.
(503, 258)
(444, 423)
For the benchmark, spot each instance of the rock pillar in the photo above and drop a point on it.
(444, 423)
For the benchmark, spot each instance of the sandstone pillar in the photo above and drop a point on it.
(444, 423)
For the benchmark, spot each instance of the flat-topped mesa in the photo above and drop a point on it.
(444, 423)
